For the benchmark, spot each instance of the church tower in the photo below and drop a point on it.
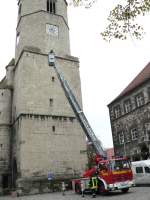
(47, 137)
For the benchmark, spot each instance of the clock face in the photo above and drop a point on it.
(52, 29)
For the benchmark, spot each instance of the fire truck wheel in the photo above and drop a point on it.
(77, 188)
(124, 190)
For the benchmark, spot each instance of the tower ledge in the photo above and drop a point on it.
(36, 50)
(38, 11)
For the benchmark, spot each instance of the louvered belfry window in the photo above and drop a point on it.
(51, 6)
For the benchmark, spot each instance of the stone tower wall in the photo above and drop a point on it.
(9, 76)
(5, 131)
(33, 72)
(44, 150)
(34, 85)
(47, 135)
(5, 106)
(4, 148)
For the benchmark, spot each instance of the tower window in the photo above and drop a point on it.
(53, 128)
(51, 6)
(17, 38)
(51, 102)
(19, 9)
(53, 78)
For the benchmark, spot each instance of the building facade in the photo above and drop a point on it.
(130, 118)
(110, 153)
(39, 131)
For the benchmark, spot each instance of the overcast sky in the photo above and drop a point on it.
(105, 68)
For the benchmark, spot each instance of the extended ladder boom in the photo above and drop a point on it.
(78, 111)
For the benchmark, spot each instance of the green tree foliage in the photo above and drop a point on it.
(122, 19)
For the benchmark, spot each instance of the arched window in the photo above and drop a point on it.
(51, 6)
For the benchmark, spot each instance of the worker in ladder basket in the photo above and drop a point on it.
(93, 183)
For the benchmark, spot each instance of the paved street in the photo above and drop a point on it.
(137, 193)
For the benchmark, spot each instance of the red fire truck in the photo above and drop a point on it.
(114, 174)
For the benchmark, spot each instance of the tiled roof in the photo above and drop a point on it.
(143, 76)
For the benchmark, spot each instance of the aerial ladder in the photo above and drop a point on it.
(112, 180)
(76, 108)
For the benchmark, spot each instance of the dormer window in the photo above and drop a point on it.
(51, 6)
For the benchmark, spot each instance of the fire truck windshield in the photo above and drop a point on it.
(119, 164)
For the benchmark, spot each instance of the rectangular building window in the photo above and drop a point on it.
(139, 98)
(51, 6)
(134, 134)
(117, 111)
(127, 106)
(121, 138)
(127, 137)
